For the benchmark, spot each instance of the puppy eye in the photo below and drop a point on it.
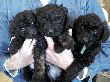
(82, 27)
(57, 20)
(23, 29)
(95, 32)
(32, 23)
(44, 19)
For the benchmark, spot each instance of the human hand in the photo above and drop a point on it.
(23, 57)
(62, 60)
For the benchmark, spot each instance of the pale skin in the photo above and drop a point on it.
(24, 56)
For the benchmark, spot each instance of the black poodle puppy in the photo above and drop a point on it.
(88, 33)
(23, 26)
(53, 21)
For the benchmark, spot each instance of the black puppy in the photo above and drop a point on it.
(23, 26)
(53, 21)
(88, 32)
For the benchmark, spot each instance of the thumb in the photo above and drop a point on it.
(50, 43)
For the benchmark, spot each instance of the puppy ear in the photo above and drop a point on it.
(64, 9)
(36, 10)
(68, 23)
(67, 19)
(105, 32)
(12, 28)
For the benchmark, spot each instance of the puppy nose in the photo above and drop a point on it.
(34, 33)
(50, 30)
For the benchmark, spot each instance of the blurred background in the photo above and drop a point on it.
(101, 77)
(106, 8)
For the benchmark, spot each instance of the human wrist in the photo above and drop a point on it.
(11, 64)
(13, 73)
(66, 65)
(67, 59)
(8, 65)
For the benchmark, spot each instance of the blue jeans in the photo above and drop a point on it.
(19, 78)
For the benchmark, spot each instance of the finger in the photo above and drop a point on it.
(26, 43)
(33, 44)
(50, 42)
(13, 38)
(50, 53)
(50, 59)
(31, 61)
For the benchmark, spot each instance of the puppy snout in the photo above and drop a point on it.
(49, 27)
(33, 32)
(51, 30)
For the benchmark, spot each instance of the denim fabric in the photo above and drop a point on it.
(76, 80)
(3, 58)
(19, 77)
(9, 8)
(82, 7)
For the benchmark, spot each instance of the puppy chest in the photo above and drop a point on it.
(53, 71)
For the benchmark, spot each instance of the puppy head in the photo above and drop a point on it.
(52, 20)
(88, 29)
(24, 25)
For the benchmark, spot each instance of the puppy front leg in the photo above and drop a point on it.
(78, 64)
(15, 45)
(39, 67)
(58, 47)
(67, 41)
(39, 74)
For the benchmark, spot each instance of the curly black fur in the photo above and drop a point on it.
(88, 30)
(23, 26)
(52, 21)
